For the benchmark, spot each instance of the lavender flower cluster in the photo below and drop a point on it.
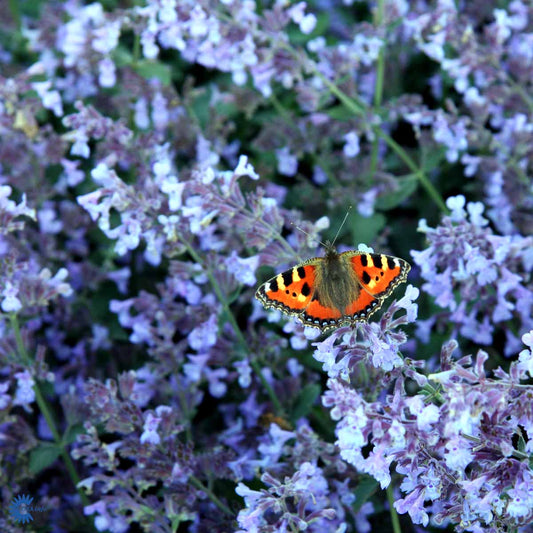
(159, 159)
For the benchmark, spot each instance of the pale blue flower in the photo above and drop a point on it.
(287, 162)
(149, 434)
(24, 395)
(10, 301)
(243, 269)
(351, 148)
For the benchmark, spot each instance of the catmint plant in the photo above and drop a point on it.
(161, 161)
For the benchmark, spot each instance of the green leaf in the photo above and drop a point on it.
(201, 107)
(339, 112)
(365, 229)
(324, 424)
(432, 159)
(154, 69)
(72, 432)
(366, 487)
(305, 401)
(181, 518)
(122, 56)
(406, 187)
(43, 456)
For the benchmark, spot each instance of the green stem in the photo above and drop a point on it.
(212, 496)
(380, 67)
(14, 8)
(187, 415)
(270, 391)
(240, 337)
(218, 292)
(356, 109)
(136, 52)
(279, 107)
(393, 514)
(508, 79)
(378, 89)
(46, 412)
(418, 172)
(524, 95)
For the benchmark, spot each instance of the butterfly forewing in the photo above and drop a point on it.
(291, 291)
(378, 274)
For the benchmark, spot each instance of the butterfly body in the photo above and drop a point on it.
(326, 292)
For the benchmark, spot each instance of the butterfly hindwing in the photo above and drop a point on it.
(361, 308)
(291, 291)
(320, 316)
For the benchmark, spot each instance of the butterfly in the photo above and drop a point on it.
(327, 292)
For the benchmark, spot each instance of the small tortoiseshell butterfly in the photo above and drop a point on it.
(326, 292)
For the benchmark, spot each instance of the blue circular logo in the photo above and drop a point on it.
(19, 509)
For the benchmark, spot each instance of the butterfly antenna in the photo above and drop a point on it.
(305, 232)
(342, 224)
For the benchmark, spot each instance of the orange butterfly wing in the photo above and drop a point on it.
(296, 291)
(361, 308)
(378, 274)
(320, 316)
(291, 291)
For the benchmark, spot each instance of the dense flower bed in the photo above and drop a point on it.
(161, 159)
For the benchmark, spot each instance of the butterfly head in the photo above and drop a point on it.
(330, 249)
(331, 254)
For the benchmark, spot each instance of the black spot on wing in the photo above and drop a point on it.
(364, 260)
(287, 277)
(274, 285)
(301, 272)
(377, 260)
(366, 277)
(306, 290)
(390, 263)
